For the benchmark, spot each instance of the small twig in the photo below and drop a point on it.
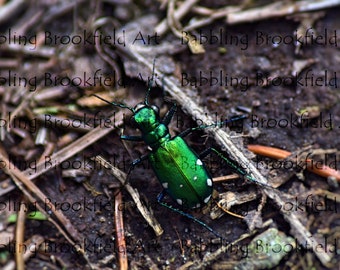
(258, 212)
(100, 50)
(330, 195)
(230, 199)
(226, 178)
(180, 242)
(276, 153)
(60, 10)
(19, 238)
(228, 212)
(177, 15)
(50, 93)
(41, 51)
(9, 63)
(20, 108)
(7, 12)
(49, 148)
(207, 260)
(173, 23)
(212, 16)
(175, 26)
(23, 28)
(120, 234)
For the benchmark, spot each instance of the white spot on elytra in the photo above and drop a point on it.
(179, 201)
(195, 178)
(207, 199)
(180, 185)
(165, 185)
(209, 182)
(199, 162)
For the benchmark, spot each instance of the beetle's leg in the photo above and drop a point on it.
(136, 162)
(205, 153)
(189, 130)
(159, 200)
(131, 138)
(185, 132)
(218, 124)
(167, 118)
(230, 163)
(132, 166)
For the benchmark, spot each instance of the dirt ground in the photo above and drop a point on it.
(288, 94)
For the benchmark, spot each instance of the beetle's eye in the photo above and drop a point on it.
(139, 106)
(155, 108)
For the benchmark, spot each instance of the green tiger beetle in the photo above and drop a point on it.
(190, 186)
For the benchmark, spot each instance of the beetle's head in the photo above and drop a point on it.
(145, 117)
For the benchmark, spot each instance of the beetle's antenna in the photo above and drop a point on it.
(120, 105)
(150, 83)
